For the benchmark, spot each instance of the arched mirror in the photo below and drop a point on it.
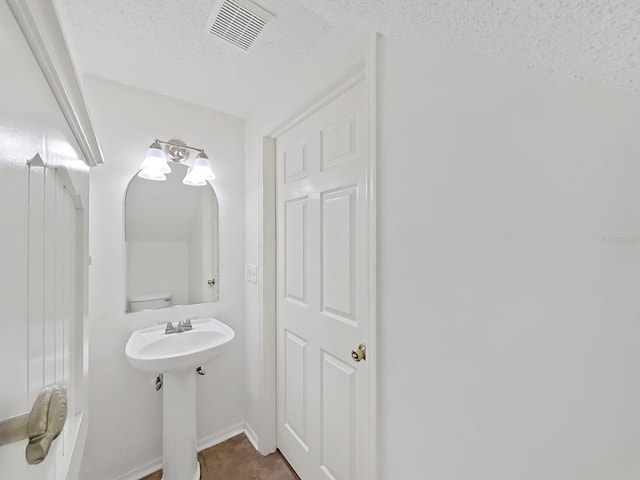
(171, 242)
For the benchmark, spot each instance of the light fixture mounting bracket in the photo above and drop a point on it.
(177, 150)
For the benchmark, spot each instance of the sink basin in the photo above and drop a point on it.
(151, 350)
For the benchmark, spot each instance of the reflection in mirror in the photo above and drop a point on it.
(171, 242)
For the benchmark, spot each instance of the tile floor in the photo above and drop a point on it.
(236, 459)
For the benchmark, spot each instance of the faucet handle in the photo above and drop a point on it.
(187, 323)
(170, 328)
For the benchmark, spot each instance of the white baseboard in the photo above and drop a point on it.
(203, 443)
(142, 471)
(251, 436)
(220, 437)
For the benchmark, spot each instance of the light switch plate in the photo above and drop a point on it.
(252, 273)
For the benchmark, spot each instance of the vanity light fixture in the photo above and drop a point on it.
(155, 166)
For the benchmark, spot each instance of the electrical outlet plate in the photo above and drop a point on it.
(252, 273)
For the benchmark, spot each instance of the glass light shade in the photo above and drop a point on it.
(155, 159)
(151, 174)
(199, 172)
(193, 181)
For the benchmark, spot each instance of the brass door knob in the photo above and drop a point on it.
(359, 353)
(211, 282)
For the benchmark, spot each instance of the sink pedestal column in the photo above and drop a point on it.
(179, 449)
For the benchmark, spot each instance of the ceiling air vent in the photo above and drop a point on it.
(239, 22)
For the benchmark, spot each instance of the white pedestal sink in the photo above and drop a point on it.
(176, 356)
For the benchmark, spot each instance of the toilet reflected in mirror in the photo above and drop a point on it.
(171, 242)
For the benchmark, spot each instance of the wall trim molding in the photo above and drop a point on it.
(251, 436)
(349, 78)
(40, 25)
(142, 471)
(206, 442)
(221, 436)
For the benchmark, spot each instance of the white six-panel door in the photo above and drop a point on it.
(322, 258)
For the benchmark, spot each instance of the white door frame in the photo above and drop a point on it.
(362, 69)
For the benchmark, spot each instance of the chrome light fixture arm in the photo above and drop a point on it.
(177, 150)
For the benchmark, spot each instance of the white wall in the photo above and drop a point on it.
(126, 423)
(508, 304)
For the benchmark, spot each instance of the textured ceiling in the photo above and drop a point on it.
(161, 46)
(593, 40)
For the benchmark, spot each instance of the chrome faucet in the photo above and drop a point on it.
(183, 326)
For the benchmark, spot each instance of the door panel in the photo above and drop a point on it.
(36, 334)
(338, 254)
(295, 271)
(295, 163)
(322, 241)
(295, 400)
(338, 143)
(338, 412)
(48, 278)
(13, 285)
